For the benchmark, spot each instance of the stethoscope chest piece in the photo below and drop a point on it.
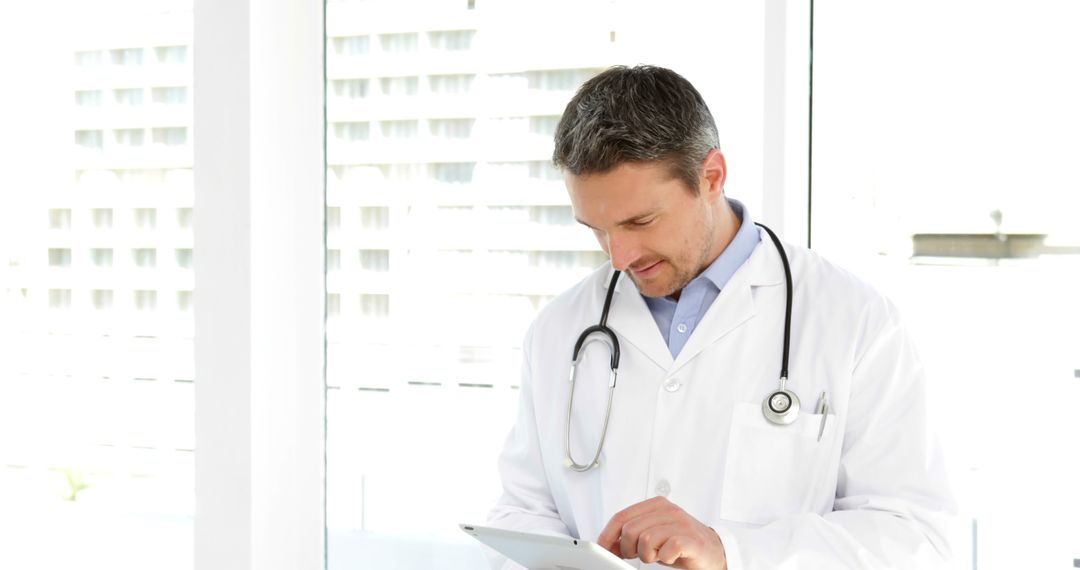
(781, 407)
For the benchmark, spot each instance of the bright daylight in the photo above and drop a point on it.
(463, 284)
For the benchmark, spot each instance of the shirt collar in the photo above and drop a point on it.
(737, 252)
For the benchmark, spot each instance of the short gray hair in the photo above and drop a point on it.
(636, 114)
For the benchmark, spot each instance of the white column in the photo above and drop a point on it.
(259, 284)
(786, 203)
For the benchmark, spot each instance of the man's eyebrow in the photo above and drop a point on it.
(630, 220)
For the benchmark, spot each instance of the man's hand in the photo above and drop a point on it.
(657, 530)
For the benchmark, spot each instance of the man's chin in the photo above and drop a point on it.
(653, 288)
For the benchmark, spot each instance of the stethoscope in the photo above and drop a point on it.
(780, 407)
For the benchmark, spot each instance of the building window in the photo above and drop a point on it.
(60, 218)
(129, 137)
(144, 258)
(552, 215)
(169, 136)
(350, 132)
(89, 139)
(544, 170)
(454, 40)
(399, 129)
(171, 54)
(185, 218)
(101, 299)
(374, 217)
(59, 257)
(375, 306)
(333, 305)
(351, 88)
(101, 257)
(353, 45)
(169, 95)
(90, 58)
(128, 97)
(377, 260)
(102, 218)
(544, 125)
(145, 218)
(399, 43)
(400, 86)
(333, 218)
(566, 80)
(452, 128)
(126, 56)
(450, 84)
(185, 258)
(184, 301)
(453, 172)
(59, 298)
(333, 260)
(88, 98)
(145, 300)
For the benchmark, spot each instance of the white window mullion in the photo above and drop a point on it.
(259, 387)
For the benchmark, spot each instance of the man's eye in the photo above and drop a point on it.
(642, 223)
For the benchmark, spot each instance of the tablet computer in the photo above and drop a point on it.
(546, 552)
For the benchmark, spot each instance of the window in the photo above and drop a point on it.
(145, 218)
(171, 54)
(375, 260)
(101, 299)
(399, 86)
(450, 84)
(544, 125)
(129, 137)
(90, 58)
(101, 257)
(350, 88)
(453, 172)
(88, 98)
(452, 128)
(375, 306)
(185, 258)
(399, 43)
(184, 218)
(60, 218)
(59, 298)
(145, 301)
(375, 217)
(184, 301)
(333, 218)
(169, 95)
(333, 260)
(455, 40)
(128, 97)
(59, 257)
(980, 254)
(91, 140)
(144, 258)
(352, 45)
(399, 129)
(102, 218)
(169, 136)
(126, 56)
(359, 131)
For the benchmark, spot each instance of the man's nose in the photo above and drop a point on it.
(622, 250)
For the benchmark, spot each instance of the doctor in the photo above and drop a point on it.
(692, 470)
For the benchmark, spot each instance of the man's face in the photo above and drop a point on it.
(648, 222)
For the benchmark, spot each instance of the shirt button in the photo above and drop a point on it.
(672, 385)
(663, 488)
(681, 328)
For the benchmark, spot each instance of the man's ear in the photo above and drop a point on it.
(714, 172)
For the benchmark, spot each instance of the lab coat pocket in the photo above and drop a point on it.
(771, 471)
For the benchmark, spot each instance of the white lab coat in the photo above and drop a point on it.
(872, 493)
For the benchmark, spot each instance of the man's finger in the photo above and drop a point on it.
(609, 537)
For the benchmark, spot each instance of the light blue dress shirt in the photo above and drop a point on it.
(678, 319)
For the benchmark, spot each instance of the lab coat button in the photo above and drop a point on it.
(672, 385)
(681, 328)
(663, 488)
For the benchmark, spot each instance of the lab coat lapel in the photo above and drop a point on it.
(735, 304)
(631, 320)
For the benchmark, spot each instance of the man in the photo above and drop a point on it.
(691, 473)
